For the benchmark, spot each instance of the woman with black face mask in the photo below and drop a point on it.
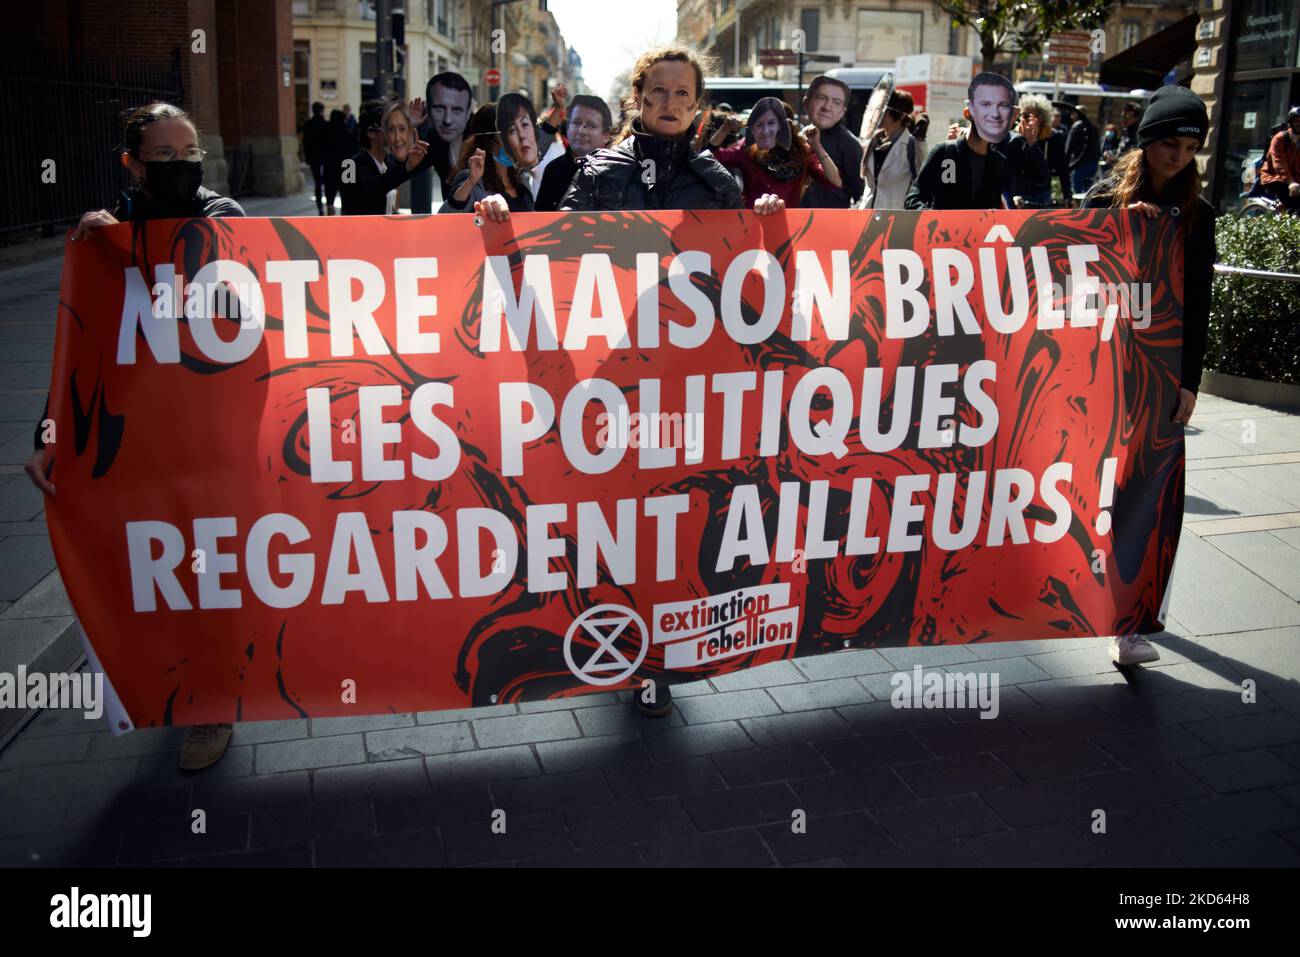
(161, 151)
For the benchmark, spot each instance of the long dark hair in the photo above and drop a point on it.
(1129, 181)
(482, 134)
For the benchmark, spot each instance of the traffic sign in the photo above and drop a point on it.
(493, 77)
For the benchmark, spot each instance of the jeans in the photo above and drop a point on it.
(1082, 176)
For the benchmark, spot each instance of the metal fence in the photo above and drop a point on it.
(57, 146)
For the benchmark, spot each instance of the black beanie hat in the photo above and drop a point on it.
(1173, 111)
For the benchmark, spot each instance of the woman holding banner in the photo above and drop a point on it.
(501, 142)
(1162, 172)
(161, 151)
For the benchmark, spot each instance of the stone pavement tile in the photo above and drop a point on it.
(32, 816)
(690, 689)
(938, 819)
(23, 406)
(1213, 594)
(492, 764)
(24, 561)
(781, 763)
(46, 599)
(1269, 653)
(1158, 745)
(927, 656)
(1080, 690)
(612, 750)
(1290, 753)
(1288, 700)
(696, 739)
(1242, 770)
(1056, 759)
(53, 780)
(1147, 711)
(1230, 492)
(855, 790)
(625, 856)
(551, 792)
(1292, 837)
(23, 640)
(823, 837)
(20, 500)
(624, 719)
(161, 769)
(466, 805)
(813, 695)
(1146, 837)
(656, 819)
(1069, 800)
(323, 727)
(1214, 674)
(23, 528)
(1263, 730)
(139, 742)
(1040, 845)
(161, 841)
(843, 664)
(1265, 850)
(1242, 814)
(382, 777)
(730, 706)
(466, 714)
(398, 743)
(1072, 662)
(879, 716)
(26, 752)
(1289, 535)
(1060, 724)
(261, 732)
(1030, 649)
(738, 848)
(873, 750)
(971, 737)
(942, 854)
(286, 857)
(418, 849)
(134, 805)
(741, 807)
(304, 824)
(62, 849)
(1144, 786)
(636, 782)
(309, 753)
(573, 702)
(797, 727)
(1267, 556)
(1010, 700)
(1225, 704)
(525, 729)
(9, 784)
(1009, 671)
(764, 676)
(291, 789)
(955, 775)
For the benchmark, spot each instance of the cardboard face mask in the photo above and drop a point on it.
(758, 132)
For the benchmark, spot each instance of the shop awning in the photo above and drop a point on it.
(1145, 65)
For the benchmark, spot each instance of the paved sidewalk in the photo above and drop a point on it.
(1185, 771)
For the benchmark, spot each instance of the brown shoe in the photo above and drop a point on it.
(205, 745)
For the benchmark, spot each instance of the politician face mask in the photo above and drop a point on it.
(173, 182)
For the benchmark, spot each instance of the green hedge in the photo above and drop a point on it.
(1259, 336)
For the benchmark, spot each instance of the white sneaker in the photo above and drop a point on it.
(1133, 650)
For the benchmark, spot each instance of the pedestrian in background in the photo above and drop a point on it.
(339, 145)
(314, 133)
(1035, 127)
(1161, 172)
(1279, 174)
(587, 129)
(776, 158)
(1081, 151)
(893, 157)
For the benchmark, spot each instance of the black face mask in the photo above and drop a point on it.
(173, 182)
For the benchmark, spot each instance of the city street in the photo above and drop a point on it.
(1164, 765)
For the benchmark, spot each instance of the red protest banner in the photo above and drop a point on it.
(321, 467)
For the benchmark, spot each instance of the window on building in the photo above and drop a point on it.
(302, 8)
(430, 16)
(1130, 32)
(810, 22)
(301, 79)
(365, 9)
(442, 23)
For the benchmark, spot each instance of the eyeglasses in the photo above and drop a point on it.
(167, 154)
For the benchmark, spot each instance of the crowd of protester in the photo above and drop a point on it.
(670, 150)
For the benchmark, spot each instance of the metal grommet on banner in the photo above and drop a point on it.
(1175, 211)
(847, 642)
(478, 220)
(493, 699)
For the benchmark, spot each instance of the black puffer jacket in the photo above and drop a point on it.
(680, 178)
